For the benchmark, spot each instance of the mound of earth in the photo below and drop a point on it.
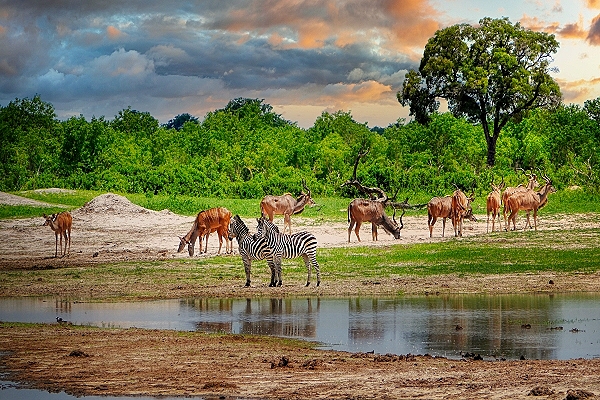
(111, 203)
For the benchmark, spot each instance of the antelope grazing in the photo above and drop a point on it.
(61, 225)
(461, 208)
(529, 200)
(364, 210)
(207, 221)
(493, 203)
(509, 191)
(286, 205)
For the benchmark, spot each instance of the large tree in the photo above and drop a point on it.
(488, 73)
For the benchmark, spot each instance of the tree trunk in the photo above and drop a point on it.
(491, 145)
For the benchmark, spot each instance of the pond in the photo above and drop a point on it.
(511, 326)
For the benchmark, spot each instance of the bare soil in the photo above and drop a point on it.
(133, 362)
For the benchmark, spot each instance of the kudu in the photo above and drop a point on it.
(365, 210)
(441, 207)
(493, 202)
(461, 208)
(61, 225)
(286, 205)
(529, 200)
(207, 221)
(372, 209)
(532, 183)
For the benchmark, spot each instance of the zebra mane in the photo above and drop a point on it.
(241, 225)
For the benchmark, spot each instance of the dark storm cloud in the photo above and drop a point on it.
(77, 54)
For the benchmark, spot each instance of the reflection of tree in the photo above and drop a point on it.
(365, 319)
(280, 317)
(277, 317)
(491, 326)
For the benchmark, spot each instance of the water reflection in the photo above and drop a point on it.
(533, 326)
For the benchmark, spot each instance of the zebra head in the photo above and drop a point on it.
(237, 228)
(265, 227)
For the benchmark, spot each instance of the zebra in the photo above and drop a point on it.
(251, 247)
(289, 246)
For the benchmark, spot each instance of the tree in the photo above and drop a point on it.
(30, 139)
(490, 74)
(180, 120)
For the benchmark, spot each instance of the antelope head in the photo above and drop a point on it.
(49, 219)
(396, 233)
(182, 242)
(307, 195)
(499, 187)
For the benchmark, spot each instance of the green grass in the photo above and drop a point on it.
(569, 251)
(26, 211)
(327, 209)
(73, 199)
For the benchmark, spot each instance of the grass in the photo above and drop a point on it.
(327, 208)
(565, 251)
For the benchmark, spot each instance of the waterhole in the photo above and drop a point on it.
(510, 327)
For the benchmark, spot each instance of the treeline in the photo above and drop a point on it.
(245, 150)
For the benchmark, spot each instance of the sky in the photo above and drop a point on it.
(303, 57)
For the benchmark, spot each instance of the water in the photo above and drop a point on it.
(533, 326)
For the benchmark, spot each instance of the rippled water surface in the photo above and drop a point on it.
(533, 326)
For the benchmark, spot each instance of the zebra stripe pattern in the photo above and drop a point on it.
(251, 247)
(301, 244)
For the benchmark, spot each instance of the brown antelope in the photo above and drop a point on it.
(509, 191)
(61, 225)
(493, 203)
(286, 205)
(529, 200)
(441, 207)
(207, 221)
(438, 207)
(365, 210)
(461, 208)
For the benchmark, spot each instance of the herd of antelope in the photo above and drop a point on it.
(514, 199)
(457, 207)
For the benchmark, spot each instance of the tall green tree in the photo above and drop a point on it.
(30, 139)
(489, 74)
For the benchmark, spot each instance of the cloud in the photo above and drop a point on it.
(594, 33)
(113, 33)
(579, 90)
(594, 4)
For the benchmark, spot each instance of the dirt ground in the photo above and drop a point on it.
(133, 362)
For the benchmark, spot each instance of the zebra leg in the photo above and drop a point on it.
(247, 266)
(278, 270)
(315, 265)
(308, 270)
(271, 264)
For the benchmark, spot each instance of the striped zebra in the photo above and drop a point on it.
(289, 246)
(251, 247)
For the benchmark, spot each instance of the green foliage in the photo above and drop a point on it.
(246, 151)
(484, 74)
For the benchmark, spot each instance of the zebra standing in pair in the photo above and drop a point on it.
(252, 247)
(288, 246)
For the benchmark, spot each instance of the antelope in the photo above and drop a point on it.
(61, 225)
(529, 200)
(461, 208)
(286, 205)
(365, 210)
(207, 221)
(438, 207)
(441, 207)
(509, 191)
(493, 203)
